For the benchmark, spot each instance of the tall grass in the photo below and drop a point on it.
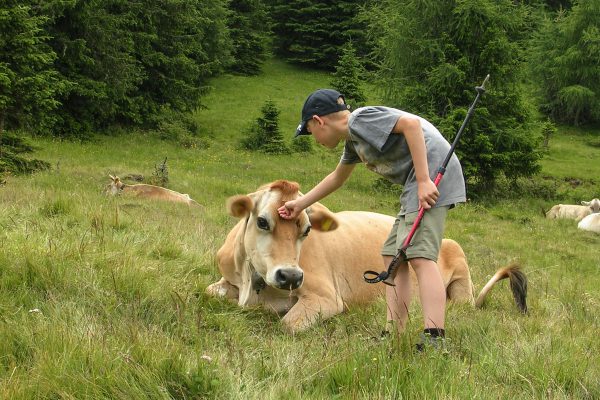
(103, 298)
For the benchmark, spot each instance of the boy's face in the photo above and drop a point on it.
(325, 130)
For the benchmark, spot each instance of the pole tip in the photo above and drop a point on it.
(481, 89)
(485, 80)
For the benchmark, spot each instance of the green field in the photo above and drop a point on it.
(103, 298)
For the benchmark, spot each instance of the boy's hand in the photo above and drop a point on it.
(289, 210)
(428, 194)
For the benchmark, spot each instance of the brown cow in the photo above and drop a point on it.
(275, 262)
(148, 192)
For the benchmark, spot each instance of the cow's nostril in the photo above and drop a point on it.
(289, 278)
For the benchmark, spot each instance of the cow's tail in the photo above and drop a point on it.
(518, 286)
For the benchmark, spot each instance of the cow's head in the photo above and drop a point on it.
(115, 186)
(594, 205)
(272, 244)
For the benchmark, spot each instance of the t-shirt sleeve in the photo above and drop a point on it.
(349, 156)
(374, 125)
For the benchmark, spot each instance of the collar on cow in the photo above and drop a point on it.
(258, 283)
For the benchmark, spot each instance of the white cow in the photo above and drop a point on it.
(148, 192)
(590, 223)
(276, 263)
(575, 212)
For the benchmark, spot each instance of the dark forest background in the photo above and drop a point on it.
(73, 69)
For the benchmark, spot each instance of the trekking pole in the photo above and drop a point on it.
(387, 277)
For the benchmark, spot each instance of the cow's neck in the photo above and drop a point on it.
(245, 270)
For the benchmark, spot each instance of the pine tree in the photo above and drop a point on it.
(347, 78)
(302, 144)
(264, 134)
(28, 85)
(565, 54)
(434, 53)
(248, 28)
(125, 61)
(312, 32)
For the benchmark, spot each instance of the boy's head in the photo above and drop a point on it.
(319, 103)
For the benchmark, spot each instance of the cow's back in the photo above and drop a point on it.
(336, 260)
(590, 223)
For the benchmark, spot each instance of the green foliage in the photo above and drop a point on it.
(433, 53)
(302, 144)
(178, 127)
(160, 176)
(28, 84)
(123, 61)
(564, 64)
(548, 130)
(248, 29)
(312, 32)
(12, 147)
(348, 76)
(263, 134)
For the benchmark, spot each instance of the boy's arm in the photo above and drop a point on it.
(410, 127)
(329, 184)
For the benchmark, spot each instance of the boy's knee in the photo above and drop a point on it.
(422, 263)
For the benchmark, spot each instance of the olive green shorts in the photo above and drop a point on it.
(427, 239)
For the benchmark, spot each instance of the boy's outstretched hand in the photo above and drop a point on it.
(289, 210)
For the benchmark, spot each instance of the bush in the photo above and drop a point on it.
(178, 127)
(263, 134)
(302, 144)
(12, 146)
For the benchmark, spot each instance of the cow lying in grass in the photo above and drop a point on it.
(590, 223)
(277, 263)
(147, 192)
(575, 212)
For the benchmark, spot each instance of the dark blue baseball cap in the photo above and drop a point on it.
(320, 102)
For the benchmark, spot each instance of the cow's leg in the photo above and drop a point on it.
(310, 309)
(460, 286)
(223, 288)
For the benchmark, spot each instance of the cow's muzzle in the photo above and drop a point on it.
(289, 278)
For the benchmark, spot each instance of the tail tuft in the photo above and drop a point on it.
(518, 286)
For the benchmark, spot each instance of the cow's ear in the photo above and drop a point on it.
(240, 205)
(321, 219)
(586, 203)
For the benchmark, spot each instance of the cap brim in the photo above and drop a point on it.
(301, 129)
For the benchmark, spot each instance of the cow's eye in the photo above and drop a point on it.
(306, 232)
(262, 223)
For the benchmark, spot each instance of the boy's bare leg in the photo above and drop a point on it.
(398, 297)
(431, 291)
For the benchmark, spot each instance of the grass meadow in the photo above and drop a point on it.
(103, 298)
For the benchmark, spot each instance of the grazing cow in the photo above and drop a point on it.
(148, 192)
(275, 262)
(575, 212)
(590, 223)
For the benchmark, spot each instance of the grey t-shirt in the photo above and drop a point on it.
(371, 141)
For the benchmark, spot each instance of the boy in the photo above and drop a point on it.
(406, 149)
